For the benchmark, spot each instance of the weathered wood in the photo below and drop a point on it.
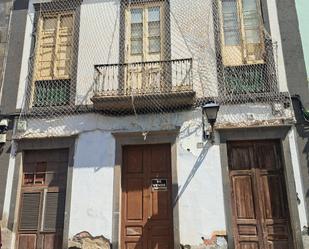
(260, 212)
(146, 213)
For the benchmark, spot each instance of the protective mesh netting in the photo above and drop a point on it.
(133, 57)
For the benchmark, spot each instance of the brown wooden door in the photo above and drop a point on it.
(260, 210)
(147, 210)
(42, 200)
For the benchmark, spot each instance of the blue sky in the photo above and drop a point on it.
(303, 19)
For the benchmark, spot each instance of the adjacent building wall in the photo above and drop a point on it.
(298, 86)
(5, 10)
(302, 7)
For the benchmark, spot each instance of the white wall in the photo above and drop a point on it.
(276, 37)
(200, 195)
(201, 207)
(92, 186)
(298, 178)
(98, 42)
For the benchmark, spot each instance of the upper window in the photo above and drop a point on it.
(144, 30)
(54, 49)
(242, 32)
(53, 63)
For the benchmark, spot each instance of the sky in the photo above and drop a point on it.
(303, 19)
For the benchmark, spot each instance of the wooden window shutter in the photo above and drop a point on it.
(54, 211)
(46, 48)
(64, 47)
(30, 211)
(252, 29)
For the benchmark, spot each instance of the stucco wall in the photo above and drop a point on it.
(200, 196)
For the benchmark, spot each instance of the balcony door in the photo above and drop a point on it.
(143, 50)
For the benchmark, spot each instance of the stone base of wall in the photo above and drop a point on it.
(85, 240)
(216, 241)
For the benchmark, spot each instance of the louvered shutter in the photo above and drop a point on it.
(54, 211)
(47, 44)
(30, 211)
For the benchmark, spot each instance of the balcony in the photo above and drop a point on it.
(143, 87)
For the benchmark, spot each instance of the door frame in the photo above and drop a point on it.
(43, 144)
(261, 133)
(136, 138)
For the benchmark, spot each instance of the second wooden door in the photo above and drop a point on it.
(259, 199)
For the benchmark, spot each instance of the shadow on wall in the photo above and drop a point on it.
(195, 168)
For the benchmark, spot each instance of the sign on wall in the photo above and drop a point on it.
(159, 184)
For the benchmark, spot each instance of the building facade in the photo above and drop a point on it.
(109, 139)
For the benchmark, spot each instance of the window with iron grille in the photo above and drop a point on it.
(53, 63)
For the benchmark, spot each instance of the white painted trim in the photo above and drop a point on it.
(9, 184)
(298, 179)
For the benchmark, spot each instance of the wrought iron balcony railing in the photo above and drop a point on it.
(152, 84)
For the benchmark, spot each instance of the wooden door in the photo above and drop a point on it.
(147, 198)
(260, 210)
(42, 201)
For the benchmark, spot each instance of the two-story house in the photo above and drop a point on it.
(153, 124)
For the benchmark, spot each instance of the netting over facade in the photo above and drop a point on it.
(133, 57)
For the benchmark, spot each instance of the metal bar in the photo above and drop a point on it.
(141, 63)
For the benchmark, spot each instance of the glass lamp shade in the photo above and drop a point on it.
(211, 112)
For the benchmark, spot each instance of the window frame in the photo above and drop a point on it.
(59, 84)
(241, 48)
(57, 44)
(145, 38)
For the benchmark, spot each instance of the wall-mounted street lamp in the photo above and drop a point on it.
(210, 111)
(4, 123)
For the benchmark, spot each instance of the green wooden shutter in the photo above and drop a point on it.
(30, 211)
(54, 211)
